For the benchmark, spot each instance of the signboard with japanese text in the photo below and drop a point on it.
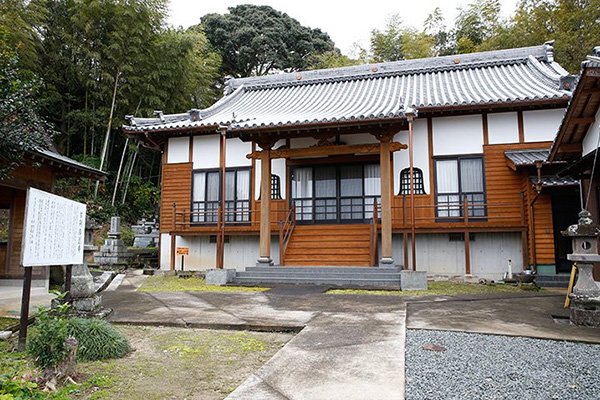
(53, 231)
(182, 251)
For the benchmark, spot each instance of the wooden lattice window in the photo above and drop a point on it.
(275, 187)
(405, 181)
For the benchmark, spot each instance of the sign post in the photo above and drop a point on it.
(183, 251)
(53, 234)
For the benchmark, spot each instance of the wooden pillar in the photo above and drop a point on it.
(387, 258)
(173, 238)
(265, 204)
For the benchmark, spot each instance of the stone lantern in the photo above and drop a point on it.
(585, 299)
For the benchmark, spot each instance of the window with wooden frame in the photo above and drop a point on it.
(417, 181)
(456, 179)
(206, 195)
(275, 187)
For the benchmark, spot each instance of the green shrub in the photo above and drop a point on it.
(98, 340)
(47, 343)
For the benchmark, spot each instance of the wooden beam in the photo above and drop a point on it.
(430, 148)
(467, 253)
(265, 205)
(386, 200)
(570, 148)
(582, 120)
(486, 136)
(521, 127)
(321, 151)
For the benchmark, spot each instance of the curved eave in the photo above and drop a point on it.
(308, 125)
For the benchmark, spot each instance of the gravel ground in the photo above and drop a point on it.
(499, 367)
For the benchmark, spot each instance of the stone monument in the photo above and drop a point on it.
(113, 252)
(146, 233)
(84, 299)
(585, 299)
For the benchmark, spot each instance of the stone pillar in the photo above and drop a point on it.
(265, 205)
(386, 259)
(585, 299)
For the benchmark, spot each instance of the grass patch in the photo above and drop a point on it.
(438, 289)
(164, 283)
(6, 322)
(179, 363)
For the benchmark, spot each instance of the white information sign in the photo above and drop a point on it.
(53, 233)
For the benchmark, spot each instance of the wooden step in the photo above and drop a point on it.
(342, 245)
(324, 251)
(315, 245)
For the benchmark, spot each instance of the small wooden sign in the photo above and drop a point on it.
(183, 251)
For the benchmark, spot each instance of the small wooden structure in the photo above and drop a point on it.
(40, 170)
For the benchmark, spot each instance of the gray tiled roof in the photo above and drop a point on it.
(376, 91)
(53, 155)
(555, 181)
(527, 157)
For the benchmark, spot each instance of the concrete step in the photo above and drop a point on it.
(325, 269)
(558, 281)
(345, 276)
(301, 275)
(350, 282)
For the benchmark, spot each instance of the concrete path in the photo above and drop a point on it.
(10, 300)
(348, 346)
(336, 356)
(529, 317)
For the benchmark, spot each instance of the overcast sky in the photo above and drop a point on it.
(346, 22)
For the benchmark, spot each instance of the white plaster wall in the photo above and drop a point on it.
(236, 152)
(165, 251)
(435, 254)
(240, 252)
(490, 253)
(359, 138)
(503, 128)
(178, 150)
(277, 167)
(298, 143)
(421, 154)
(590, 141)
(206, 151)
(458, 135)
(541, 125)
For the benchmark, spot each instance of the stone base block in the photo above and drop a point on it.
(413, 280)
(87, 304)
(264, 262)
(584, 317)
(219, 277)
(386, 262)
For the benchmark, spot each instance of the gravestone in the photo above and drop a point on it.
(113, 252)
(146, 233)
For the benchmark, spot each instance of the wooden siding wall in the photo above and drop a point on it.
(13, 195)
(279, 210)
(503, 185)
(541, 229)
(176, 187)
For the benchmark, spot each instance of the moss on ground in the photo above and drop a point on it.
(438, 289)
(167, 363)
(181, 363)
(6, 322)
(162, 283)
